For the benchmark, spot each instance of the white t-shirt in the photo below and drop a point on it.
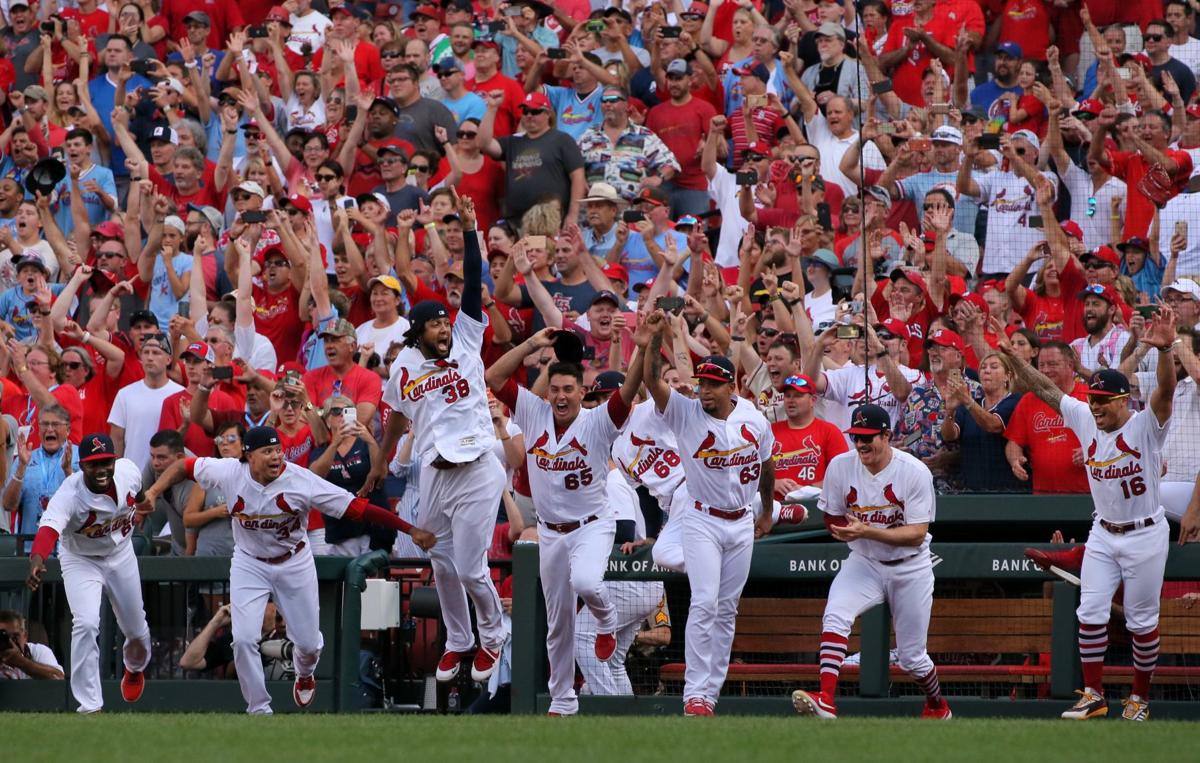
(89, 524)
(646, 454)
(1184, 207)
(137, 409)
(1011, 203)
(446, 400)
(1108, 349)
(1123, 467)
(269, 520)
(1188, 53)
(382, 337)
(901, 494)
(1096, 230)
(722, 459)
(309, 28)
(298, 115)
(567, 472)
(39, 653)
(833, 149)
(723, 189)
(8, 271)
(846, 388)
(820, 309)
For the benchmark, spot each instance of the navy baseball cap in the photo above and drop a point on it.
(609, 381)
(259, 437)
(1108, 382)
(423, 312)
(606, 296)
(1010, 49)
(715, 368)
(869, 420)
(96, 447)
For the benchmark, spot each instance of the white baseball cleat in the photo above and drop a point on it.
(304, 690)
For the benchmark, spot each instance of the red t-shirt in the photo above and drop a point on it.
(360, 303)
(1027, 23)
(367, 63)
(906, 77)
(767, 122)
(1131, 168)
(224, 15)
(90, 24)
(683, 130)
(277, 317)
(297, 447)
(803, 454)
(918, 323)
(1071, 281)
(1051, 445)
(483, 188)
(1043, 315)
(24, 409)
(1035, 122)
(358, 384)
(195, 439)
(365, 176)
(206, 195)
(509, 115)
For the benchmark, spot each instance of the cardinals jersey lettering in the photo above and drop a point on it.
(646, 454)
(902, 494)
(1123, 467)
(722, 459)
(568, 473)
(446, 400)
(270, 520)
(91, 524)
(803, 454)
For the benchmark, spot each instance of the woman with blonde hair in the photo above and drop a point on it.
(978, 427)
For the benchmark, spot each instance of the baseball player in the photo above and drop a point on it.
(269, 500)
(437, 383)
(725, 446)
(93, 514)
(880, 501)
(1128, 540)
(567, 459)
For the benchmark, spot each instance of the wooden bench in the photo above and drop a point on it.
(772, 634)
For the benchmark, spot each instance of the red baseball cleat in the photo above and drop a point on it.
(484, 664)
(304, 690)
(816, 703)
(696, 707)
(606, 644)
(1068, 560)
(132, 685)
(448, 666)
(938, 709)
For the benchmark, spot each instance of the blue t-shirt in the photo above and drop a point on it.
(42, 478)
(576, 115)
(470, 106)
(986, 94)
(637, 260)
(313, 350)
(984, 467)
(1148, 279)
(14, 309)
(508, 50)
(163, 302)
(103, 92)
(96, 211)
(914, 188)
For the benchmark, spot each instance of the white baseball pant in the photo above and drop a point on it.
(573, 564)
(316, 542)
(907, 587)
(293, 586)
(1175, 497)
(85, 578)
(717, 556)
(634, 600)
(667, 551)
(459, 507)
(1138, 559)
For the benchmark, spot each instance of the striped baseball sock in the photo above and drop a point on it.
(833, 652)
(1145, 657)
(930, 685)
(1093, 642)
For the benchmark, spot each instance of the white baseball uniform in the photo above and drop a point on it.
(900, 494)
(646, 454)
(446, 401)
(847, 388)
(634, 601)
(1123, 469)
(722, 460)
(568, 474)
(97, 557)
(271, 558)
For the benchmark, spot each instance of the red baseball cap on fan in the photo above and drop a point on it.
(972, 297)
(947, 338)
(300, 202)
(1072, 229)
(535, 100)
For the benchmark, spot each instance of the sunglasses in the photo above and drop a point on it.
(863, 438)
(72, 365)
(254, 136)
(796, 381)
(418, 168)
(1103, 399)
(225, 439)
(611, 99)
(276, 263)
(451, 73)
(100, 255)
(1153, 37)
(532, 112)
(770, 332)
(466, 135)
(325, 177)
(392, 54)
(295, 213)
(1095, 264)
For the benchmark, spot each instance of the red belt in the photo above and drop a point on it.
(282, 557)
(569, 527)
(729, 514)
(1116, 529)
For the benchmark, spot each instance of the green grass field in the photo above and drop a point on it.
(229, 738)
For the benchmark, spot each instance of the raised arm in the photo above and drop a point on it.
(659, 328)
(1032, 379)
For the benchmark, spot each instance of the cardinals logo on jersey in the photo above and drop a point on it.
(890, 514)
(713, 458)
(442, 376)
(239, 507)
(557, 461)
(282, 504)
(122, 523)
(1107, 469)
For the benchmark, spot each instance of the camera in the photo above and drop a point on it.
(257, 32)
(630, 216)
(556, 54)
(595, 25)
(746, 178)
(277, 649)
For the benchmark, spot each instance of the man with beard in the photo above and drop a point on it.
(1101, 347)
(838, 74)
(437, 383)
(1005, 66)
(93, 514)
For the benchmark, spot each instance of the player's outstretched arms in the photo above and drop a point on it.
(175, 473)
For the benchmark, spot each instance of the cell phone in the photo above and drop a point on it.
(535, 242)
(351, 113)
(1147, 311)
(1036, 221)
(879, 88)
(856, 307)
(496, 27)
(348, 204)
(920, 145)
(254, 216)
(670, 304)
(222, 373)
(989, 142)
(756, 102)
(631, 216)
(888, 128)
(1181, 228)
(669, 32)
(1123, 72)
(595, 25)
(185, 310)
(349, 417)
(848, 332)
(824, 216)
(140, 66)
(257, 32)
(747, 177)
(556, 54)
(513, 10)
(48, 27)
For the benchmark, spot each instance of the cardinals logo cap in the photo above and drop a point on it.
(715, 368)
(1108, 382)
(96, 447)
(869, 419)
(259, 437)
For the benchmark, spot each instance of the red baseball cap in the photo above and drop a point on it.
(300, 202)
(1071, 228)
(201, 351)
(912, 277)
(1104, 292)
(1091, 107)
(485, 44)
(427, 11)
(757, 147)
(800, 383)
(108, 229)
(972, 297)
(279, 13)
(896, 328)
(616, 272)
(535, 100)
(1105, 253)
(946, 338)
